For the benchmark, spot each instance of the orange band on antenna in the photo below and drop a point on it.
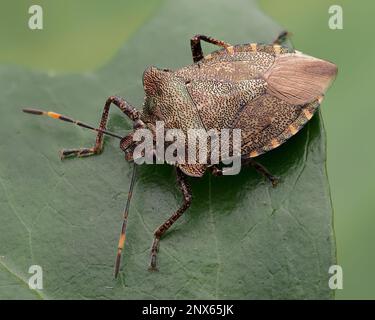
(53, 115)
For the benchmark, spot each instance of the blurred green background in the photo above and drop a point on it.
(79, 36)
(348, 114)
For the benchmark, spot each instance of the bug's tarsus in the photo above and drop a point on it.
(122, 238)
(216, 171)
(196, 48)
(83, 152)
(256, 165)
(154, 251)
(262, 170)
(282, 37)
(186, 191)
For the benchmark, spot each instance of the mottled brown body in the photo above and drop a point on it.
(267, 91)
(235, 88)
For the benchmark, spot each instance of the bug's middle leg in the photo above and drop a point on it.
(124, 106)
(262, 170)
(256, 165)
(196, 48)
(185, 188)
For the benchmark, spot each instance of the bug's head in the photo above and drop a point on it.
(156, 80)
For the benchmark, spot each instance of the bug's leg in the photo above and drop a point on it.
(282, 37)
(185, 188)
(257, 166)
(216, 171)
(196, 48)
(124, 106)
(262, 170)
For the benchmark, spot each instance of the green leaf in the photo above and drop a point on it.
(240, 239)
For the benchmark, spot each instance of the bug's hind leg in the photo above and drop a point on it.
(124, 106)
(257, 166)
(282, 37)
(185, 188)
(196, 48)
(262, 170)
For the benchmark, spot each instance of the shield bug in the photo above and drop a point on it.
(268, 91)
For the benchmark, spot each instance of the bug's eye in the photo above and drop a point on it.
(166, 70)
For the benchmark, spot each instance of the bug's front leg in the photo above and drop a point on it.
(196, 48)
(185, 188)
(124, 106)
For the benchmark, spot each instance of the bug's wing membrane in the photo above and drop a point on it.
(296, 84)
(299, 79)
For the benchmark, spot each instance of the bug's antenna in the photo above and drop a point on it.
(55, 115)
(121, 241)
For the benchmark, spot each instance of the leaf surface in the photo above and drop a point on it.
(240, 239)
